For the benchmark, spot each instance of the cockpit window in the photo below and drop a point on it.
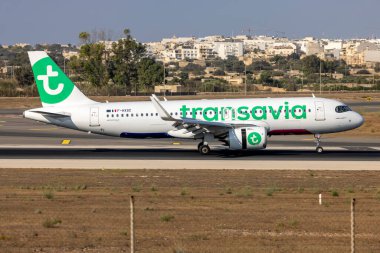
(342, 108)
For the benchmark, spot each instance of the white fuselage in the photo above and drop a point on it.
(141, 119)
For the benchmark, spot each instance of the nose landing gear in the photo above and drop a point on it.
(319, 148)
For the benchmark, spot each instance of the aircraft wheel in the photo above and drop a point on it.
(204, 149)
(319, 150)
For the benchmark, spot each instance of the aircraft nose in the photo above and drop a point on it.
(358, 120)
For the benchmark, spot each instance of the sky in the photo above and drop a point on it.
(60, 21)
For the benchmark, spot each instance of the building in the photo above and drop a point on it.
(224, 49)
(205, 50)
(283, 49)
(313, 48)
(68, 54)
(168, 88)
(371, 57)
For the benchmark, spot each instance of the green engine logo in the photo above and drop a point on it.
(254, 138)
(53, 85)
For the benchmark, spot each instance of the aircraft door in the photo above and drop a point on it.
(319, 111)
(94, 116)
(228, 114)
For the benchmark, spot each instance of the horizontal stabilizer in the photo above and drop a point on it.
(53, 114)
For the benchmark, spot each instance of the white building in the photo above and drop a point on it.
(226, 48)
(177, 40)
(260, 42)
(372, 56)
(332, 44)
(280, 48)
(205, 50)
(68, 54)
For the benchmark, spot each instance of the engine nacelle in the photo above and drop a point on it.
(250, 138)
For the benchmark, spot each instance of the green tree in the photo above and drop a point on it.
(24, 75)
(266, 77)
(231, 64)
(91, 64)
(184, 76)
(84, 37)
(126, 54)
(259, 65)
(311, 64)
(149, 73)
(194, 68)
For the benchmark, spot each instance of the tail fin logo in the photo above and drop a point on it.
(53, 85)
(45, 81)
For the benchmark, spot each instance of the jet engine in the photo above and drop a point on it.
(247, 138)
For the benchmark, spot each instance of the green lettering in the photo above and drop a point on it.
(194, 110)
(184, 110)
(286, 110)
(263, 113)
(303, 112)
(275, 114)
(244, 114)
(214, 116)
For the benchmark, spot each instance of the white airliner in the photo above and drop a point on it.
(241, 124)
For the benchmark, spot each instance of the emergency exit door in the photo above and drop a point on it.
(94, 116)
(319, 111)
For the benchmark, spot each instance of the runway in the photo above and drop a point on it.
(26, 140)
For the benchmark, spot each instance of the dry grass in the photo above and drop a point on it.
(222, 211)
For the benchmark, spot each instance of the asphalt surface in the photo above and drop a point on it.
(26, 139)
(187, 154)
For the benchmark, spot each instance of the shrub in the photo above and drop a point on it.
(136, 188)
(229, 190)
(245, 192)
(335, 193)
(167, 217)
(51, 223)
(272, 190)
(49, 194)
(184, 192)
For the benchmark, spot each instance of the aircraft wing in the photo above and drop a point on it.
(195, 126)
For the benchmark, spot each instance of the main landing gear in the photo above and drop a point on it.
(319, 148)
(203, 148)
